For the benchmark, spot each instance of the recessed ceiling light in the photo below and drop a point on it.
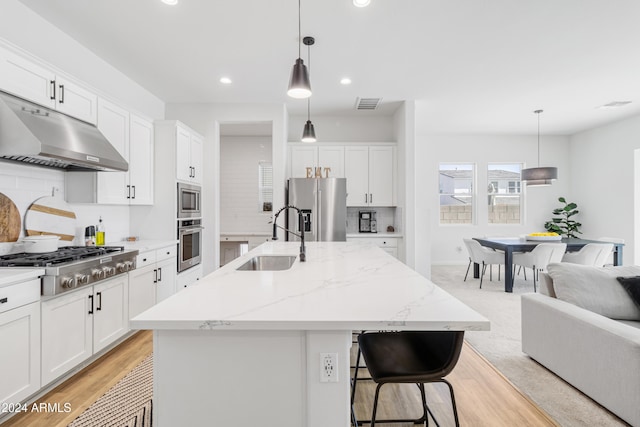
(361, 3)
(615, 104)
(170, 2)
(345, 81)
(225, 80)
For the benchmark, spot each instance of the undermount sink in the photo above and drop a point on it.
(268, 263)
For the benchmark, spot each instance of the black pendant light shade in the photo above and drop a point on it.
(299, 85)
(539, 176)
(309, 133)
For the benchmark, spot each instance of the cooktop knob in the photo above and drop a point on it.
(68, 282)
(97, 274)
(82, 279)
(121, 267)
(109, 271)
(128, 265)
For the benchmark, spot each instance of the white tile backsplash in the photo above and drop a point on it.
(24, 184)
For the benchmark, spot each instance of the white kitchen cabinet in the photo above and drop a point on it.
(133, 137)
(141, 161)
(20, 338)
(387, 244)
(326, 160)
(370, 173)
(77, 324)
(189, 277)
(67, 332)
(153, 280)
(188, 155)
(110, 312)
(28, 80)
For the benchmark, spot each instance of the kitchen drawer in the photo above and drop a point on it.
(19, 294)
(166, 253)
(383, 242)
(146, 258)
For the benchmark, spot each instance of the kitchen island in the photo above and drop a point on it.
(244, 348)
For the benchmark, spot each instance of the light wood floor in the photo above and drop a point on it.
(483, 396)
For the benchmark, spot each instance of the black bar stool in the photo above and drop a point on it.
(411, 357)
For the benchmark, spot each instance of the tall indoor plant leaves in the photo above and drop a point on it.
(564, 224)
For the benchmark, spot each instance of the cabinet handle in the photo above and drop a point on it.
(160, 274)
(99, 301)
(53, 89)
(370, 198)
(134, 191)
(61, 94)
(91, 306)
(3, 300)
(155, 275)
(366, 198)
(128, 191)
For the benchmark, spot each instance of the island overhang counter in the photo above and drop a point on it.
(243, 347)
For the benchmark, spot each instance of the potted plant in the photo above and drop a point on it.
(563, 224)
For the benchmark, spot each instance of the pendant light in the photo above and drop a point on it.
(299, 86)
(309, 133)
(539, 176)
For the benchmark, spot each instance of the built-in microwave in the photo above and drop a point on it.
(189, 243)
(189, 201)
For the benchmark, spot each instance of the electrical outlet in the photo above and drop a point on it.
(328, 367)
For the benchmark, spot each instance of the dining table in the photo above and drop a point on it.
(509, 245)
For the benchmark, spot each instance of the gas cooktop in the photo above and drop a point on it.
(63, 255)
(71, 267)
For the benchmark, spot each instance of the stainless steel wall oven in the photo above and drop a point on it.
(189, 243)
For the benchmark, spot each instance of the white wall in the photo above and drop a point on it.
(404, 135)
(206, 119)
(602, 173)
(23, 28)
(25, 184)
(239, 159)
(432, 149)
(360, 128)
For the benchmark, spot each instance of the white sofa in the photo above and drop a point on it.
(584, 326)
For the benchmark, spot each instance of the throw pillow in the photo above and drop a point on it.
(595, 289)
(632, 286)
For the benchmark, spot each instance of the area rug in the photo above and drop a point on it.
(502, 347)
(126, 404)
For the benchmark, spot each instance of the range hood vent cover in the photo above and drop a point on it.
(38, 136)
(367, 103)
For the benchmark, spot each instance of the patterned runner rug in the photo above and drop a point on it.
(126, 404)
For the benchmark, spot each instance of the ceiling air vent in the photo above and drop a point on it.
(367, 103)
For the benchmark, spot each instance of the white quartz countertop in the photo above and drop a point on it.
(382, 235)
(145, 245)
(341, 286)
(13, 275)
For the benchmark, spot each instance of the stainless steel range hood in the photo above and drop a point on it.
(36, 135)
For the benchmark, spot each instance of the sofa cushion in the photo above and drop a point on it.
(632, 286)
(595, 288)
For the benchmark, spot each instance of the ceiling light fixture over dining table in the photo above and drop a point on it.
(539, 176)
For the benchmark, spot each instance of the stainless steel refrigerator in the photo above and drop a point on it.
(323, 202)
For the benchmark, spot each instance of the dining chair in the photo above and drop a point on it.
(609, 260)
(411, 357)
(484, 256)
(594, 254)
(538, 259)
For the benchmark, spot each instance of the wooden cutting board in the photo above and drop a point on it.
(9, 220)
(50, 216)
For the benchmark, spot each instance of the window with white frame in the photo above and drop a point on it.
(504, 193)
(456, 186)
(265, 187)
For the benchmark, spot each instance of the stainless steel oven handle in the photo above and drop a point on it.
(189, 230)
